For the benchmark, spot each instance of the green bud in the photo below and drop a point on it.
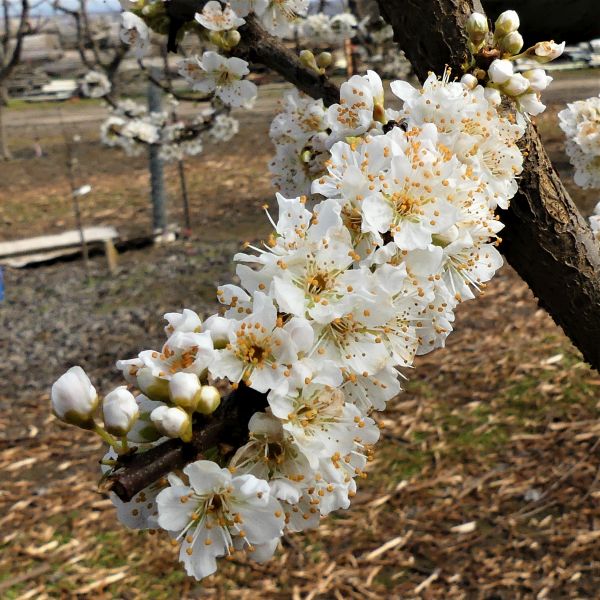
(324, 60)
(232, 38)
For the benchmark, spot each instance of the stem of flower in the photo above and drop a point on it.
(107, 437)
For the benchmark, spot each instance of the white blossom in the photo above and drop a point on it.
(218, 18)
(279, 15)
(222, 76)
(216, 513)
(135, 33)
(95, 85)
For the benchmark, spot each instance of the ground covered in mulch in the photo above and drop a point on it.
(484, 484)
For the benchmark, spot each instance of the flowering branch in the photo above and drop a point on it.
(227, 425)
(546, 240)
(258, 46)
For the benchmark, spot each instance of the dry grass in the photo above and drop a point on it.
(484, 486)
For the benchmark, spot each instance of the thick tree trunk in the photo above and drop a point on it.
(546, 240)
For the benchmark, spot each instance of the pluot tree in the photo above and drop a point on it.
(387, 219)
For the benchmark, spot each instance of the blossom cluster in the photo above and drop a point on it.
(217, 26)
(505, 46)
(580, 122)
(349, 286)
(95, 85)
(321, 28)
(131, 127)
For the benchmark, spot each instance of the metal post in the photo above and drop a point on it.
(155, 165)
(187, 232)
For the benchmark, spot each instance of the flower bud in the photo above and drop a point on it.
(153, 387)
(232, 38)
(544, 52)
(538, 80)
(512, 43)
(209, 400)
(324, 60)
(119, 411)
(477, 27)
(469, 81)
(500, 71)
(184, 390)
(446, 237)
(74, 398)
(493, 96)
(530, 103)
(516, 85)
(307, 58)
(218, 327)
(172, 421)
(506, 23)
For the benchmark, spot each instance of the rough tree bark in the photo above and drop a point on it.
(545, 240)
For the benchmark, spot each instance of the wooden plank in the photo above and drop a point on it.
(56, 242)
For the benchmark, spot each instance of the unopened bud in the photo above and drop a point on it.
(500, 71)
(512, 43)
(119, 411)
(530, 103)
(307, 58)
(74, 398)
(153, 387)
(184, 390)
(506, 23)
(469, 81)
(324, 59)
(218, 327)
(544, 52)
(477, 27)
(232, 38)
(538, 80)
(516, 85)
(172, 421)
(493, 96)
(216, 38)
(446, 237)
(209, 400)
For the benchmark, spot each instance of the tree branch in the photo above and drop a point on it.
(546, 240)
(258, 46)
(8, 64)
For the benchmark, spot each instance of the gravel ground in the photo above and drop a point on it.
(51, 319)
